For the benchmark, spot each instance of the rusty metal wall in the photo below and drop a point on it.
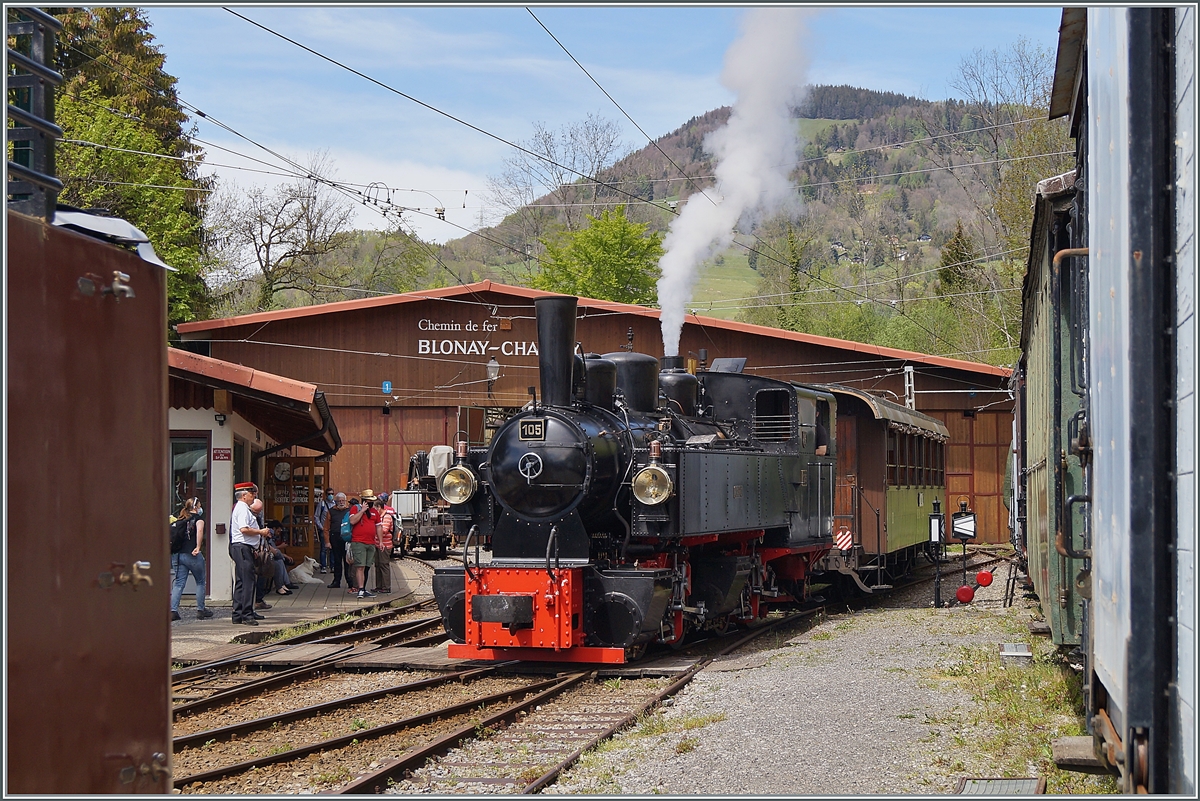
(88, 701)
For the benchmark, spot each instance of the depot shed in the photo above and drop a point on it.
(409, 371)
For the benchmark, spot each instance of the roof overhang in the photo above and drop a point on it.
(1068, 67)
(899, 417)
(290, 412)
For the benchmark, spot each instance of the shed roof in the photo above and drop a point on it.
(454, 292)
(292, 412)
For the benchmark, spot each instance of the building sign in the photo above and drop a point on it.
(469, 345)
(387, 387)
(222, 454)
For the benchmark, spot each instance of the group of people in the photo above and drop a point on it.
(372, 521)
(372, 526)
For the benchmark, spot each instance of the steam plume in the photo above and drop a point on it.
(754, 152)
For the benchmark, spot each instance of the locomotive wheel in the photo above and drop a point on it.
(722, 625)
(678, 643)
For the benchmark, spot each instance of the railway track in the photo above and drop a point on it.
(370, 741)
(524, 750)
(210, 684)
(469, 731)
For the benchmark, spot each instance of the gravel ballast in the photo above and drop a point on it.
(866, 702)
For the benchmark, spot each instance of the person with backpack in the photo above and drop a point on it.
(337, 543)
(383, 552)
(364, 517)
(187, 555)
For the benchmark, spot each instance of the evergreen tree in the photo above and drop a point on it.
(956, 262)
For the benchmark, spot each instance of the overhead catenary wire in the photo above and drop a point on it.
(680, 169)
(432, 108)
(361, 195)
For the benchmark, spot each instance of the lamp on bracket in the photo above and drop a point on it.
(493, 373)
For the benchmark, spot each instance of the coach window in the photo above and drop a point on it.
(893, 477)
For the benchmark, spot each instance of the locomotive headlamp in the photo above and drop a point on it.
(457, 485)
(652, 485)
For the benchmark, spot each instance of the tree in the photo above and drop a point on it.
(117, 94)
(1007, 100)
(149, 192)
(550, 170)
(294, 245)
(957, 262)
(279, 239)
(612, 259)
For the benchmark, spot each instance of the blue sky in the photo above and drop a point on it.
(497, 69)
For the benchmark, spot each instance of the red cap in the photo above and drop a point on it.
(246, 485)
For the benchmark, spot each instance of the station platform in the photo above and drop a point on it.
(308, 603)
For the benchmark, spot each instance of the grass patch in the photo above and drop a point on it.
(686, 745)
(336, 776)
(726, 275)
(358, 723)
(656, 724)
(1025, 707)
(613, 684)
(304, 628)
(530, 774)
(823, 635)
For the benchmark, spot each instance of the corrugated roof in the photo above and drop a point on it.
(590, 303)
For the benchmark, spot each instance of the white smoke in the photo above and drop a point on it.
(754, 153)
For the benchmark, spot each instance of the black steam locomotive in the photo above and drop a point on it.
(632, 504)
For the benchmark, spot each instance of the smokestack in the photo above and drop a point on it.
(556, 347)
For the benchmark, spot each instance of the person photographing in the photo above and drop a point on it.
(364, 539)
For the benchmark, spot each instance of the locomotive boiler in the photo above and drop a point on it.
(634, 502)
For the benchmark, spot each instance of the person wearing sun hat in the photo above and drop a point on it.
(364, 518)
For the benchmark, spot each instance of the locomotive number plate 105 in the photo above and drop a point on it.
(533, 429)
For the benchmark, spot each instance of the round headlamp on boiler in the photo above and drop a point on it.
(457, 485)
(652, 485)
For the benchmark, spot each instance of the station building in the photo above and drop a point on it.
(409, 371)
(228, 423)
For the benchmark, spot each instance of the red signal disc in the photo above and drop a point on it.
(984, 578)
(965, 594)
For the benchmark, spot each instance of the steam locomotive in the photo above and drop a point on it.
(615, 521)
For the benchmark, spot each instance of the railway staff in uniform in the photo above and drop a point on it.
(245, 533)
